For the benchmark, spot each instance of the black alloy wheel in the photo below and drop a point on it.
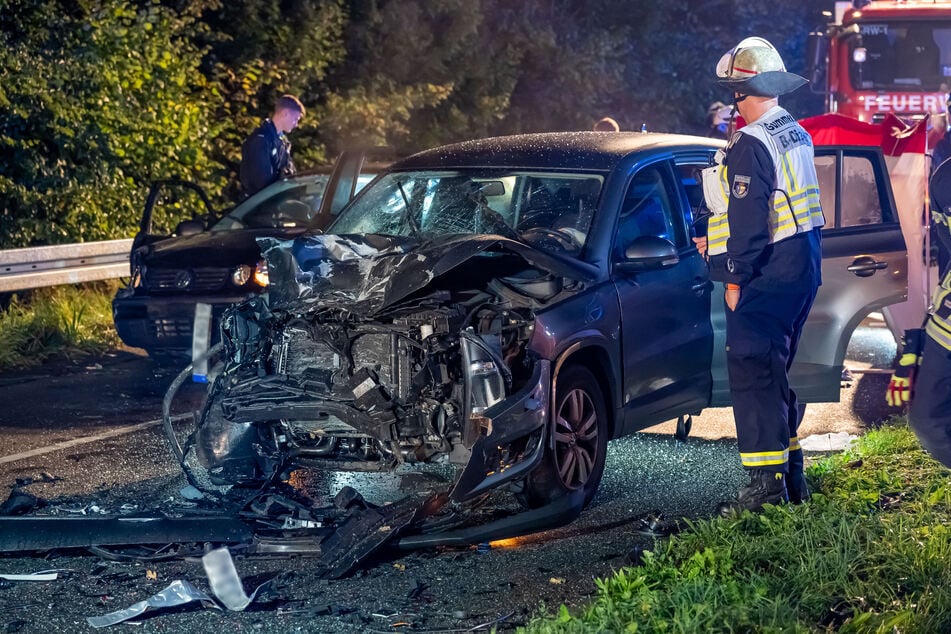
(580, 430)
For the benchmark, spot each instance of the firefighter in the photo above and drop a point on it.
(763, 243)
(923, 376)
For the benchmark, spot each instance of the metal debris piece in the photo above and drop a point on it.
(179, 592)
(225, 582)
(42, 575)
(44, 533)
(190, 492)
(20, 503)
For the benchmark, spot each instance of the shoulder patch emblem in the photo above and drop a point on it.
(741, 186)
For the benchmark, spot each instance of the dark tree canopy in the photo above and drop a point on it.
(99, 97)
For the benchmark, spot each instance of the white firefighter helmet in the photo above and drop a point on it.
(754, 67)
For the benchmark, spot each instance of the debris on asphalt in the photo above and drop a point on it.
(21, 503)
(654, 524)
(179, 592)
(42, 575)
(225, 582)
(556, 580)
(635, 556)
(190, 492)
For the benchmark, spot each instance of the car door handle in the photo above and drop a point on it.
(866, 266)
(700, 286)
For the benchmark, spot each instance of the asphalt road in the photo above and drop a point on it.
(93, 428)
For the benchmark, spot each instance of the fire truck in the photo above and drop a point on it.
(882, 56)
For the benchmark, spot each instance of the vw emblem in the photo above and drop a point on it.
(183, 279)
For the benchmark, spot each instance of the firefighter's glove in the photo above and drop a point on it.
(899, 388)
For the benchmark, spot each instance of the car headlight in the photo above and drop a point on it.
(241, 275)
(484, 383)
(260, 273)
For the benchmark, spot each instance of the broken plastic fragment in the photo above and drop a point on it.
(42, 575)
(225, 582)
(191, 493)
(179, 592)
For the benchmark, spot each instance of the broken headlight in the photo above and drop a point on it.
(485, 385)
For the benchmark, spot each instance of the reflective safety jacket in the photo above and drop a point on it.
(938, 325)
(769, 191)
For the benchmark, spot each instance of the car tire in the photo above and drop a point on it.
(580, 427)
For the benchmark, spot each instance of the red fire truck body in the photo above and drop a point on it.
(886, 56)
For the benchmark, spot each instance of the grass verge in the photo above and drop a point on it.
(67, 321)
(870, 553)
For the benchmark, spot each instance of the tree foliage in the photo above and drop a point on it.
(99, 97)
(94, 104)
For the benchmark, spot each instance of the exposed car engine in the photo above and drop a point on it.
(315, 381)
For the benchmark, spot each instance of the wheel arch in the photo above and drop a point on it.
(595, 359)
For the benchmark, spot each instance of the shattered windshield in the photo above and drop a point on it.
(549, 210)
(904, 55)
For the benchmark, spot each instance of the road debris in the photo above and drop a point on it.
(42, 575)
(179, 592)
(20, 503)
(225, 582)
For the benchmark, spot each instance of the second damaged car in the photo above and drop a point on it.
(505, 306)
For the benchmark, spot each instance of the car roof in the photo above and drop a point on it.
(595, 151)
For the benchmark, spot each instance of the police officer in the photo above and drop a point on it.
(763, 242)
(926, 356)
(266, 153)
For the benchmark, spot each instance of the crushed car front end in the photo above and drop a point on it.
(384, 348)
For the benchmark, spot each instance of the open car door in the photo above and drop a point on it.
(352, 170)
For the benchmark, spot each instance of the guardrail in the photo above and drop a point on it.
(35, 267)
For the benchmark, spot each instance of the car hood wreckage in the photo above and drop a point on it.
(371, 352)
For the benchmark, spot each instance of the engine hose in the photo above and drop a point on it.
(176, 447)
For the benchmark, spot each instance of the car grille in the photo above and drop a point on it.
(172, 328)
(196, 280)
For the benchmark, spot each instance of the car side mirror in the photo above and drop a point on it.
(189, 227)
(648, 253)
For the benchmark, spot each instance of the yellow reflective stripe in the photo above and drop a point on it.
(939, 334)
(764, 458)
(937, 328)
(794, 444)
(909, 358)
(718, 231)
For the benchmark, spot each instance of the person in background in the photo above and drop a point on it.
(607, 124)
(266, 153)
(719, 116)
(763, 242)
(923, 375)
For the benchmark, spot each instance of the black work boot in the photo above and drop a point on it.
(796, 486)
(766, 487)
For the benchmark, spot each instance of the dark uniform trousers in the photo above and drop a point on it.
(762, 335)
(930, 411)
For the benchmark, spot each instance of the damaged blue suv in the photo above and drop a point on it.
(507, 306)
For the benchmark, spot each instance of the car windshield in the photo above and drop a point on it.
(902, 55)
(550, 210)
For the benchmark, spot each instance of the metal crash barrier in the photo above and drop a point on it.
(35, 267)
